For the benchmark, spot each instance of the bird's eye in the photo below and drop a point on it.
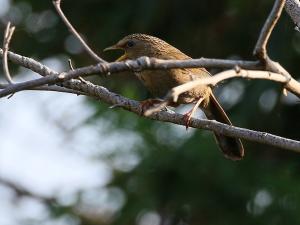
(130, 44)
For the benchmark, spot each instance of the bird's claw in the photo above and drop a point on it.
(187, 119)
(147, 104)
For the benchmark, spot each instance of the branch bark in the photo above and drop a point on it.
(6, 40)
(260, 49)
(111, 98)
(292, 7)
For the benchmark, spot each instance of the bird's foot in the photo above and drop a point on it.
(188, 116)
(147, 104)
(187, 119)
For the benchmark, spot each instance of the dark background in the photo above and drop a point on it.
(185, 180)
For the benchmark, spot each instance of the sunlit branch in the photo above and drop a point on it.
(6, 40)
(291, 84)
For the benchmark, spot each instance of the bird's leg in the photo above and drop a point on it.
(189, 114)
(148, 103)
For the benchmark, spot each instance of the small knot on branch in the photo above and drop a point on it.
(104, 68)
(237, 69)
(288, 78)
(144, 61)
(61, 76)
(56, 2)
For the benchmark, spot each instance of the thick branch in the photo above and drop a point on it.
(108, 68)
(134, 65)
(140, 63)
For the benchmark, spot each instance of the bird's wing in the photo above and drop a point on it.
(195, 73)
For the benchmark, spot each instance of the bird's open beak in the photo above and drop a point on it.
(116, 47)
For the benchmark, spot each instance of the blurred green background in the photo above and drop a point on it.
(181, 177)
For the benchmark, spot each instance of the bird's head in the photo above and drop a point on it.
(137, 45)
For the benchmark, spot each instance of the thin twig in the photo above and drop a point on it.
(70, 64)
(72, 68)
(49, 88)
(6, 40)
(56, 4)
(260, 49)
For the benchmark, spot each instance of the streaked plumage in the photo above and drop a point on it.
(160, 82)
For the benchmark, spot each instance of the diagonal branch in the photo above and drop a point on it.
(56, 4)
(260, 49)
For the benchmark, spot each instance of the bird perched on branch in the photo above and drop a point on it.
(160, 82)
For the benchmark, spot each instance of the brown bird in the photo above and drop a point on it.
(160, 82)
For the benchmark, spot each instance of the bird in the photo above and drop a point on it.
(160, 82)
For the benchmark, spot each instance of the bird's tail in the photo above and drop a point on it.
(231, 147)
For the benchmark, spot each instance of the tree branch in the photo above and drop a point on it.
(53, 77)
(260, 49)
(133, 65)
(292, 7)
(6, 40)
(291, 84)
(101, 93)
(56, 4)
(49, 88)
